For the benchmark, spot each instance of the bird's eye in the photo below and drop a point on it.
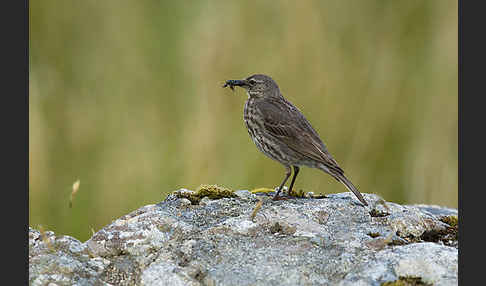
(252, 81)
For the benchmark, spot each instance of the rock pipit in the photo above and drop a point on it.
(281, 132)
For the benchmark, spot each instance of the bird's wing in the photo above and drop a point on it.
(287, 124)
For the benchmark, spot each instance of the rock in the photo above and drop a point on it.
(223, 241)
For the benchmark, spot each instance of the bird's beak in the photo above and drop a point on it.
(235, 82)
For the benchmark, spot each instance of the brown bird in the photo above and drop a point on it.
(281, 132)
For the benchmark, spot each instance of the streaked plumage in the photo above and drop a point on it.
(280, 131)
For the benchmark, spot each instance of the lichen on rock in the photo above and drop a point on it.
(213, 192)
(214, 236)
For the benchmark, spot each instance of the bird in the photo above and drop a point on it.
(281, 132)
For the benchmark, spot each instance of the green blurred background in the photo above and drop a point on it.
(126, 97)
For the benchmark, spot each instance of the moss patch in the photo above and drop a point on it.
(276, 227)
(378, 213)
(213, 192)
(262, 190)
(448, 236)
(451, 220)
(373, 234)
(406, 281)
(293, 194)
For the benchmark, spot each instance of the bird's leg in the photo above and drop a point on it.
(296, 171)
(287, 175)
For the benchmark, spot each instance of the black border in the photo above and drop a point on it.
(14, 114)
(471, 64)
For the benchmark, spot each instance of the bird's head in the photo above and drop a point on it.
(257, 85)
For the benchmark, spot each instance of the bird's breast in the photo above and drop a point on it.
(251, 117)
(248, 112)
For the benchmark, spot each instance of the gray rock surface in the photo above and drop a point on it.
(299, 241)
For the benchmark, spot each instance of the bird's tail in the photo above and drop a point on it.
(341, 178)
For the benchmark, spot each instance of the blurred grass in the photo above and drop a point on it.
(127, 98)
